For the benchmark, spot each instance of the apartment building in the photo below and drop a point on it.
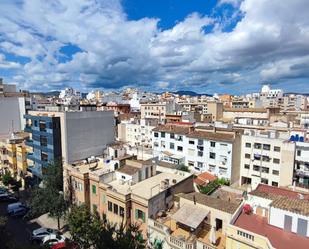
(266, 158)
(157, 110)
(137, 132)
(195, 221)
(130, 194)
(214, 150)
(271, 217)
(68, 136)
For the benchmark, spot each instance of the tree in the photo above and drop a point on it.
(7, 179)
(89, 231)
(50, 199)
(183, 167)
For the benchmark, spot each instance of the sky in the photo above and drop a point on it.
(207, 46)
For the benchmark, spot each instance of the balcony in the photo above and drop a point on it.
(30, 156)
(29, 142)
(301, 172)
(28, 128)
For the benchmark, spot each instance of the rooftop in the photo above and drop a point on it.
(204, 178)
(212, 136)
(177, 129)
(167, 165)
(216, 203)
(293, 205)
(278, 237)
(128, 170)
(257, 110)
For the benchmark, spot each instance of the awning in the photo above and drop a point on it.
(190, 215)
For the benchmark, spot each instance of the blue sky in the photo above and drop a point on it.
(206, 46)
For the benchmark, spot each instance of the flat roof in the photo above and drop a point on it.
(152, 186)
(216, 203)
(128, 170)
(216, 136)
(278, 237)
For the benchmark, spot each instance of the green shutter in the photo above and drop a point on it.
(136, 214)
(94, 189)
(143, 216)
(103, 199)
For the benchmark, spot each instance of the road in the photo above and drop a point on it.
(18, 228)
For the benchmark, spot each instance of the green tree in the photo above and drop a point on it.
(89, 231)
(7, 179)
(49, 198)
(183, 167)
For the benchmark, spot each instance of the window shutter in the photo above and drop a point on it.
(136, 214)
(143, 216)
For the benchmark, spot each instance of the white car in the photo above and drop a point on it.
(52, 239)
(39, 234)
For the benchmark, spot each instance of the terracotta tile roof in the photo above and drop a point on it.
(278, 237)
(204, 178)
(293, 205)
(216, 203)
(177, 129)
(271, 193)
(212, 136)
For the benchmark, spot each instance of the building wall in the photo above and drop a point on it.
(276, 218)
(87, 134)
(13, 109)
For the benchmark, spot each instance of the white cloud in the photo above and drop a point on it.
(270, 42)
(4, 64)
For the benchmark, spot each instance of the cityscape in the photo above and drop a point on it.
(160, 125)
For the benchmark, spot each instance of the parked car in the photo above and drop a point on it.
(8, 197)
(3, 190)
(17, 209)
(52, 239)
(38, 235)
(65, 245)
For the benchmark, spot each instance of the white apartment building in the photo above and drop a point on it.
(266, 158)
(137, 132)
(212, 150)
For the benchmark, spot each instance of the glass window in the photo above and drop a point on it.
(298, 152)
(212, 144)
(172, 135)
(115, 209)
(162, 134)
(248, 145)
(266, 146)
(121, 211)
(156, 134)
(257, 146)
(247, 166)
(179, 148)
(200, 153)
(277, 148)
(139, 215)
(276, 160)
(212, 155)
(172, 146)
(191, 141)
(264, 180)
(110, 206)
(275, 184)
(276, 172)
(256, 168)
(265, 170)
(248, 156)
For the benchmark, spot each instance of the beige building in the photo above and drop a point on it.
(195, 221)
(156, 110)
(266, 158)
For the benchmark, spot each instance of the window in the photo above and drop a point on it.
(212, 144)
(247, 166)
(277, 148)
(121, 211)
(156, 134)
(191, 141)
(212, 155)
(200, 153)
(115, 209)
(156, 144)
(264, 180)
(257, 146)
(190, 163)
(211, 168)
(162, 134)
(199, 165)
(275, 184)
(123, 177)
(276, 160)
(256, 168)
(179, 148)
(139, 215)
(266, 146)
(248, 145)
(172, 146)
(200, 142)
(94, 189)
(44, 156)
(163, 144)
(298, 152)
(276, 172)
(172, 135)
(265, 170)
(248, 156)
(110, 206)
(43, 141)
(179, 138)
(266, 158)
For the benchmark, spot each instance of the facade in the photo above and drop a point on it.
(301, 170)
(68, 136)
(212, 150)
(137, 132)
(270, 218)
(156, 110)
(266, 158)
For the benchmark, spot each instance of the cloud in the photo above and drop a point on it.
(268, 43)
(4, 64)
